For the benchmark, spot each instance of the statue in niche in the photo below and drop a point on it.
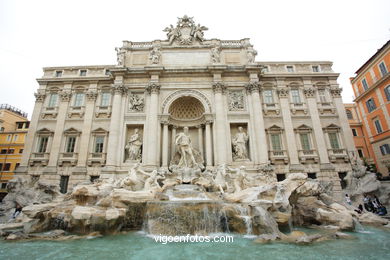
(136, 103)
(216, 54)
(186, 155)
(120, 56)
(133, 146)
(155, 55)
(236, 100)
(251, 54)
(239, 141)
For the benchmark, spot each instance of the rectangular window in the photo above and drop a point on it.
(296, 99)
(20, 150)
(354, 132)
(17, 165)
(364, 83)
(7, 167)
(83, 73)
(371, 106)
(382, 68)
(312, 175)
(280, 177)
(265, 69)
(20, 125)
(53, 100)
(275, 141)
(385, 149)
(15, 138)
(105, 99)
(70, 144)
(78, 99)
(8, 138)
(4, 185)
(1, 167)
(316, 69)
(42, 144)
(305, 142)
(11, 151)
(64, 184)
(360, 152)
(58, 73)
(334, 141)
(268, 97)
(387, 93)
(322, 96)
(107, 72)
(99, 144)
(378, 125)
(290, 68)
(3, 151)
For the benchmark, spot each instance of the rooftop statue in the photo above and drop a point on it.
(185, 31)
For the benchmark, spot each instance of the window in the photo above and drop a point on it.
(7, 167)
(3, 151)
(79, 99)
(360, 152)
(275, 142)
(385, 149)
(11, 151)
(58, 73)
(382, 68)
(334, 142)
(107, 72)
(343, 182)
(94, 178)
(70, 144)
(99, 143)
(370, 105)
(53, 100)
(64, 184)
(105, 99)
(378, 125)
(315, 68)
(4, 185)
(265, 69)
(20, 150)
(27, 125)
(281, 177)
(305, 142)
(290, 68)
(42, 144)
(349, 114)
(312, 175)
(83, 73)
(15, 138)
(387, 92)
(2, 129)
(8, 138)
(364, 83)
(1, 167)
(322, 96)
(296, 99)
(20, 125)
(17, 165)
(354, 132)
(268, 97)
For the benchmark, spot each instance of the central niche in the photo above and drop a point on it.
(186, 109)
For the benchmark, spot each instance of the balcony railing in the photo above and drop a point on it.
(305, 155)
(42, 158)
(278, 155)
(338, 153)
(97, 158)
(68, 158)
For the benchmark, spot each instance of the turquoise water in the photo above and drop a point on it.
(374, 244)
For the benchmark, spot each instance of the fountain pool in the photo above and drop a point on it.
(371, 244)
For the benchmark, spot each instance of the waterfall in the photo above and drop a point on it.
(244, 214)
(359, 227)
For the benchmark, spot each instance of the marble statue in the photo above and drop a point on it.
(197, 32)
(220, 178)
(216, 54)
(132, 181)
(185, 31)
(240, 178)
(133, 146)
(151, 182)
(155, 55)
(136, 103)
(239, 145)
(236, 100)
(251, 54)
(120, 56)
(172, 33)
(184, 146)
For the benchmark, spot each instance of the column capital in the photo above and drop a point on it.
(309, 92)
(91, 95)
(153, 88)
(199, 126)
(335, 92)
(219, 87)
(39, 97)
(119, 89)
(282, 92)
(65, 95)
(253, 86)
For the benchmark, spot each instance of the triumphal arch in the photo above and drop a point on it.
(185, 105)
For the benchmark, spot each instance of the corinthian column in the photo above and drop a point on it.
(220, 125)
(165, 144)
(153, 90)
(209, 156)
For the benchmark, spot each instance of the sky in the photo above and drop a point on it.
(44, 33)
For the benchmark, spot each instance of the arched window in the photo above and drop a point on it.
(349, 114)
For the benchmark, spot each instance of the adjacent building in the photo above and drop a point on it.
(371, 86)
(95, 121)
(13, 129)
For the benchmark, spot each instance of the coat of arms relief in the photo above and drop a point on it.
(185, 32)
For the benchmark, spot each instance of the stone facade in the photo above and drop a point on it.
(287, 116)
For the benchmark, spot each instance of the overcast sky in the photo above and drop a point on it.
(39, 33)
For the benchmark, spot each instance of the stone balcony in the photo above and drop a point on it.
(305, 156)
(49, 113)
(326, 107)
(103, 112)
(278, 156)
(298, 107)
(96, 158)
(70, 158)
(271, 108)
(76, 112)
(338, 154)
(41, 158)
